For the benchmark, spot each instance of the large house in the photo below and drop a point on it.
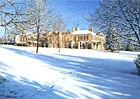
(29, 39)
(79, 39)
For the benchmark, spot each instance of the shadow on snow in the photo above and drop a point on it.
(98, 78)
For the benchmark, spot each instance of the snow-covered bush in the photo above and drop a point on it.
(137, 60)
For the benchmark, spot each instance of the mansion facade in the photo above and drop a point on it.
(79, 39)
(28, 39)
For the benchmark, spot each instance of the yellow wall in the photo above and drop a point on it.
(89, 38)
(70, 38)
(77, 38)
(83, 37)
(64, 38)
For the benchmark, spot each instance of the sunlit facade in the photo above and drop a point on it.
(26, 39)
(78, 39)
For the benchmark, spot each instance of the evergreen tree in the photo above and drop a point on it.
(125, 15)
(112, 39)
(129, 46)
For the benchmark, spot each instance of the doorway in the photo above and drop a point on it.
(83, 46)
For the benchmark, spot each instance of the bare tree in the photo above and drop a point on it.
(123, 13)
(40, 15)
(11, 16)
(59, 26)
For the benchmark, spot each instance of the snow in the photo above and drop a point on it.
(83, 32)
(71, 74)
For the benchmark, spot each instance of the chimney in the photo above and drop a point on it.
(55, 30)
(64, 30)
(73, 29)
(91, 29)
(23, 32)
(60, 34)
(99, 33)
(47, 31)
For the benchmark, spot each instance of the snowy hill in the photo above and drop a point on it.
(71, 74)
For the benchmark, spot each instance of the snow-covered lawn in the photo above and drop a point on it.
(71, 74)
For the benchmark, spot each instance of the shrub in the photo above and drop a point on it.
(24, 44)
(40, 45)
(18, 44)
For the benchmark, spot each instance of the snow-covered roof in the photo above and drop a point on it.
(28, 33)
(31, 34)
(83, 32)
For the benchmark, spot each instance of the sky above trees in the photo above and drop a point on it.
(73, 12)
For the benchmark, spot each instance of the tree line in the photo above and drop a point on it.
(120, 21)
(33, 15)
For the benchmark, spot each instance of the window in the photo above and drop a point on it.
(80, 37)
(20, 38)
(72, 37)
(103, 39)
(75, 38)
(53, 38)
(92, 37)
(67, 38)
(95, 38)
(56, 38)
(86, 37)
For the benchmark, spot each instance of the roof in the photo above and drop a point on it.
(53, 32)
(30, 34)
(83, 32)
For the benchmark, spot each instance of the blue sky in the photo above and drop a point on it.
(73, 11)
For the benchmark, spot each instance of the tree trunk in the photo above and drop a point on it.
(37, 39)
(59, 40)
